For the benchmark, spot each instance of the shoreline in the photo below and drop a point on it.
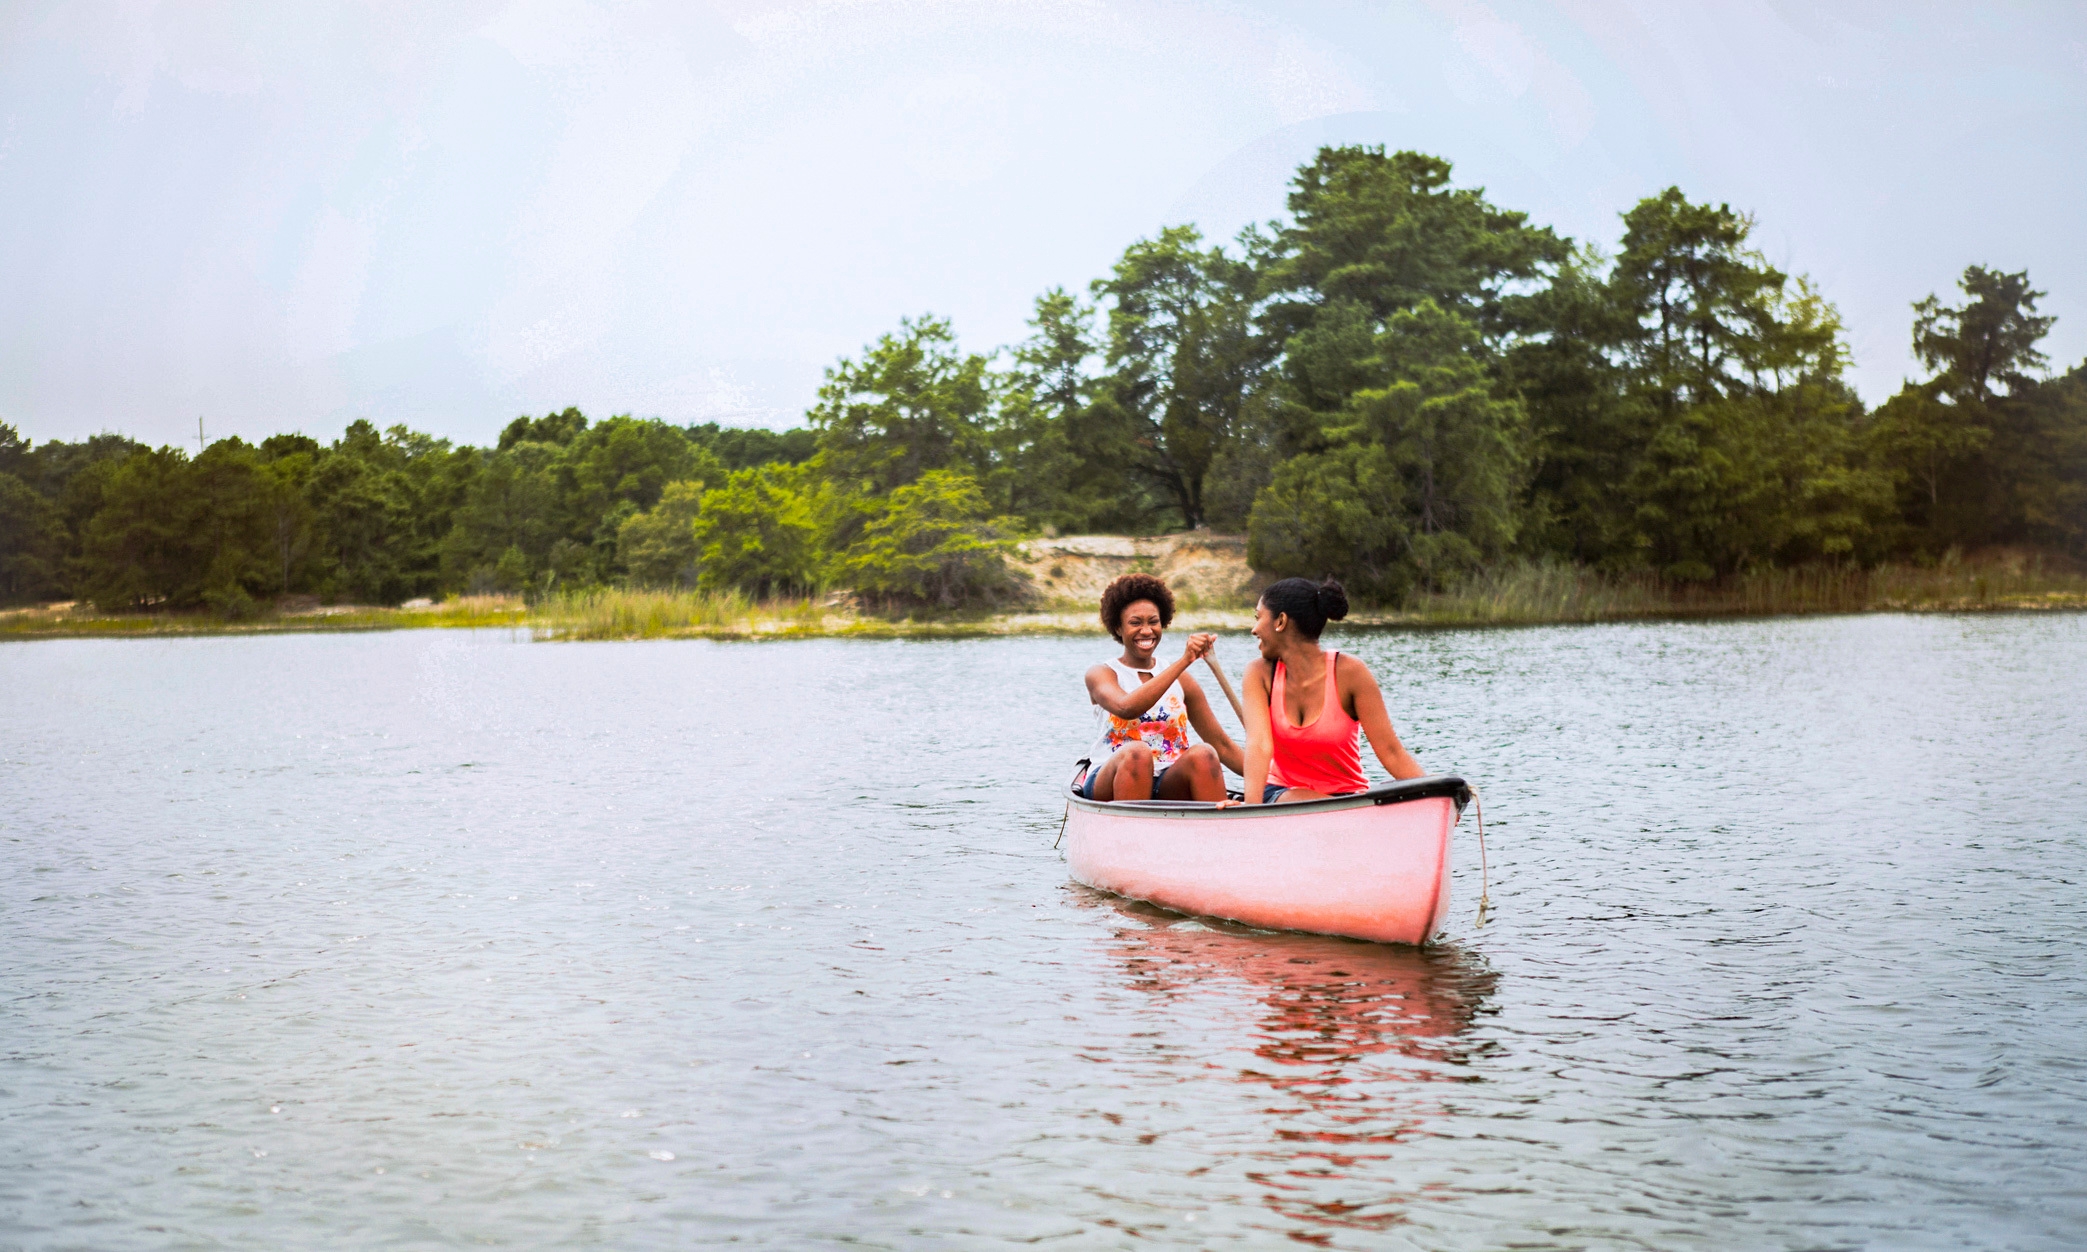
(805, 620)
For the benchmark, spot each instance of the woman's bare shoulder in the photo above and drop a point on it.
(1353, 683)
(1351, 675)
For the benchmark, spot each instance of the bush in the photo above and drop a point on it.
(1340, 513)
(231, 602)
(932, 543)
(659, 547)
(756, 533)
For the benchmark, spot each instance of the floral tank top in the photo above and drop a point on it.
(1162, 728)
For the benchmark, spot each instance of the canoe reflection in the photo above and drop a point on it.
(1353, 1036)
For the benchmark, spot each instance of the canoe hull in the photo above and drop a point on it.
(1370, 867)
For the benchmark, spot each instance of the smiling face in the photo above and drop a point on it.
(1268, 630)
(1140, 628)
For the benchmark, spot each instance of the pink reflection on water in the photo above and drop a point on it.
(1352, 1037)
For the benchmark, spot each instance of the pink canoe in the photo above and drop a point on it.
(1370, 866)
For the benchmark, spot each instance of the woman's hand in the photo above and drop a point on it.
(1197, 647)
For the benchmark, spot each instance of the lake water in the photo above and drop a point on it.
(443, 939)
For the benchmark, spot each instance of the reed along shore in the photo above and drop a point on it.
(1521, 594)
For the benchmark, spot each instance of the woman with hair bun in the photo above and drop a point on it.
(1304, 703)
(1143, 709)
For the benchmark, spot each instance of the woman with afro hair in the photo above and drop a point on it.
(1144, 709)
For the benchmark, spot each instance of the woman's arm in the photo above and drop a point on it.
(1260, 740)
(1104, 689)
(1367, 704)
(1205, 721)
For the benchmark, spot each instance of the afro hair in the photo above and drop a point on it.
(1128, 590)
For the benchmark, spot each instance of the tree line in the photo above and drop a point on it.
(1398, 384)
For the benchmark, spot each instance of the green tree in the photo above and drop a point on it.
(1751, 455)
(757, 532)
(1384, 233)
(1687, 410)
(1587, 427)
(1182, 357)
(31, 540)
(615, 470)
(32, 537)
(912, 404)
(1991, 339)
(509, 519)
(286, 475)
(1980, 449)
(140, 547)
(30, 543)
(1421, 474)
(72, 477)
(1928, 444)
(741, 447)
(1036, 432)
(1342, 513)
(1752, 481)
(16, 453)
(1394, 295)
(180, 533)
(233, 486)
(933, 542)
(383, 505)
(2052, 499)
(558, 429)
(1699, 303)
(658, 546)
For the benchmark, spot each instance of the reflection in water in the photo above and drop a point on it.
(1347, 1033)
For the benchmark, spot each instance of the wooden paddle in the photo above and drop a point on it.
(1210, 659)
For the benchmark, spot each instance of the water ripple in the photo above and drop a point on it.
(438, 938)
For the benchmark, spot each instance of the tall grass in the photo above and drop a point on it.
(84, 620)
(1535, 591)
(1525, 592)
(1539, 591)
(614, 613)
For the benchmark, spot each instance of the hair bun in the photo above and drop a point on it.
(1333, 600)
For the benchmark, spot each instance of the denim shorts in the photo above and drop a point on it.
(1094, 772)
(1270, 793)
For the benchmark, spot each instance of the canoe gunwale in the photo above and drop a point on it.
(1429, 787)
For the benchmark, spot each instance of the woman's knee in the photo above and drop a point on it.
(1135, 755)
(1202, 759)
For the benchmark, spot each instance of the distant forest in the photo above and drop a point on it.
(1399, 384)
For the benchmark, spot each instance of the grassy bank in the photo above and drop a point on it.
(1531, 593)
(684, 614)
(80, 621)
(1519, 594)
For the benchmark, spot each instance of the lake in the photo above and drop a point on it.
(450, 939)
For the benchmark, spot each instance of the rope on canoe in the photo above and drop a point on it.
(1485, 898)
(1080, 774)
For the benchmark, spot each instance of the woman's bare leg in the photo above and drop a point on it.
(1294, 794)
(1195, 775)
(1127, 774)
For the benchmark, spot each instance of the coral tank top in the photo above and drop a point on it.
(1321, 755)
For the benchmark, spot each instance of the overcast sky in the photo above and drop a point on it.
(286, 216)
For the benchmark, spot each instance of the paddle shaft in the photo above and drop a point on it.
(1210, 659)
